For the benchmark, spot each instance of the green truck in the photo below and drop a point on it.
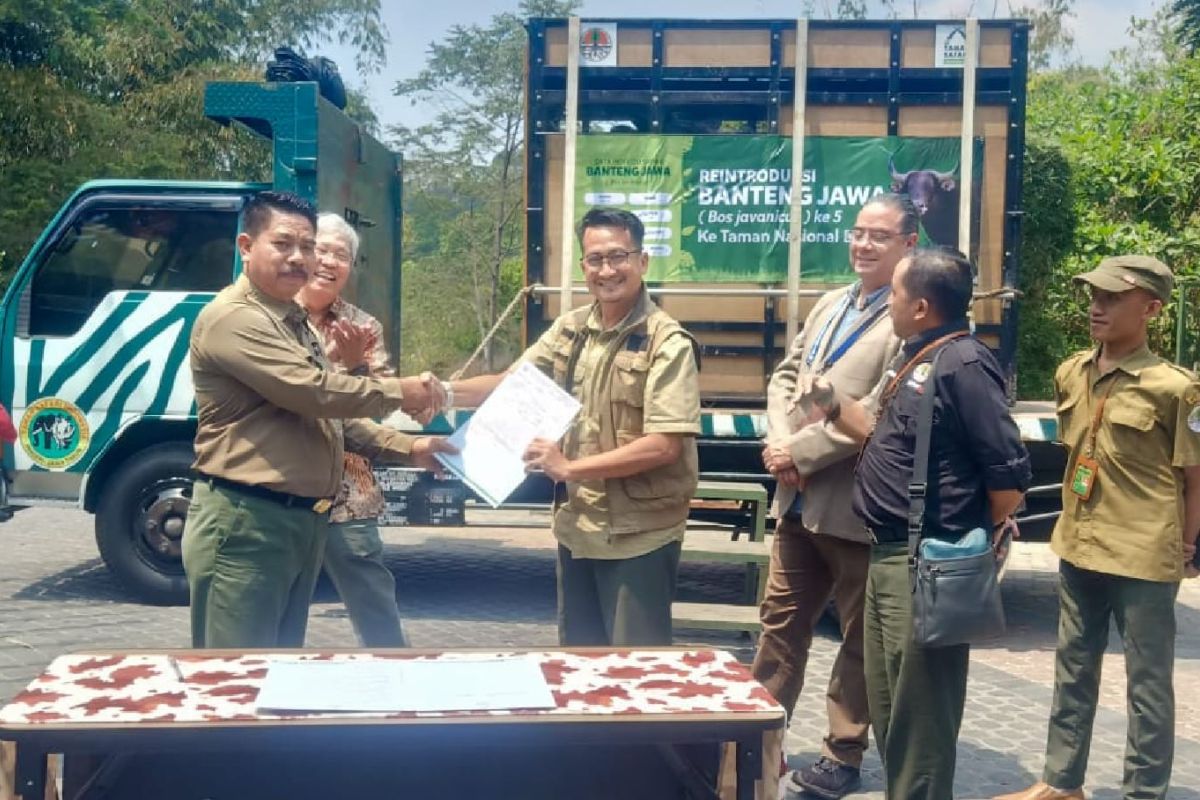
(94, 367)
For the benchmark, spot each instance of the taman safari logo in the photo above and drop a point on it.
(54, 432)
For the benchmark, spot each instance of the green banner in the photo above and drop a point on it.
(716, 208)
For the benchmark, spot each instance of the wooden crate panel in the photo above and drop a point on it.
(840, 48)
(837, 120)
(715, 47)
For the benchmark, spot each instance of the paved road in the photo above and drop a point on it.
(493, 585)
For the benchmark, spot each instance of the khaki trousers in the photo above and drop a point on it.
(807, 570)
(1144, 612)
(251, 566)
(354, 562)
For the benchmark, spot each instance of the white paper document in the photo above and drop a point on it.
(469, 684)
(525, 406)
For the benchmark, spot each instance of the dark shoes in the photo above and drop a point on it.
(826, 779)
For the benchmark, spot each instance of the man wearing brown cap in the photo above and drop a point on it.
(1126, 537)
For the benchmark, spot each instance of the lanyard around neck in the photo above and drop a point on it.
(871, 314)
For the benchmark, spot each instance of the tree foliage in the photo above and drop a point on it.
(1113, 166)
(464, 188)
(1187, 16)
(114, 88)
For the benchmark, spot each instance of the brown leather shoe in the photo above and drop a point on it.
(1042, 791)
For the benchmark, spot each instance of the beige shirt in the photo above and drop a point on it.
(1131, 525)
(360, 496)
(671, 404)
(270, 409)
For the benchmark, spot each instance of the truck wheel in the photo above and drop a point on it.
(139, 522)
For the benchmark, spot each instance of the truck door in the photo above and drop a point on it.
(104, 305)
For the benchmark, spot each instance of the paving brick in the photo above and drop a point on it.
(493, 585)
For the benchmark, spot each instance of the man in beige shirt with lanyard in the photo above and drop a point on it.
(821, 548)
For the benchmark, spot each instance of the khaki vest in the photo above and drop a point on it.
(652, 500)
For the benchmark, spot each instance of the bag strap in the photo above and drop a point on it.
(918, 485)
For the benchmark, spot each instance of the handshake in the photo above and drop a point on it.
(425, 396)
(353, 345)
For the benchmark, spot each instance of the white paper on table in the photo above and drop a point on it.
(468, 684)
(526, 405)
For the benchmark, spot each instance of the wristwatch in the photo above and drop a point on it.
(448, 390)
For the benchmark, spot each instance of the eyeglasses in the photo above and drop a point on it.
(873, 235)
(615, 258)
(341, 255)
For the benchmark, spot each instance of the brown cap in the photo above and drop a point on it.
(1122, 273)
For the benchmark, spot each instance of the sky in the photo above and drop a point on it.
(1100, 26)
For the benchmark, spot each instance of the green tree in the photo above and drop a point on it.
(1113, 166)
(1052, 35)
(1187, 14)
(114, 88)
(472, 152)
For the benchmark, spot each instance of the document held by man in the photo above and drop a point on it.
(387, 684)
(526, 405)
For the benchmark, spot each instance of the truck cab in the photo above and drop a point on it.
(96, 322)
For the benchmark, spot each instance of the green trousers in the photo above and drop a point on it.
(1145, 615)
(251, 566)
(620, 601)
(915, 694)
(354, 562)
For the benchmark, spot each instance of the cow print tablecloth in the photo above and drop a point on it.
(144, 688)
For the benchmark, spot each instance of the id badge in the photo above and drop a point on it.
(1083, 477)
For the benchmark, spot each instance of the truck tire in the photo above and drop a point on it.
(139, 522)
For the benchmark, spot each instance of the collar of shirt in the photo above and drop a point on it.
(865, 302)
(1131, 364)
(288, 311)
(913, 344)
(337, 310)
(641, 309)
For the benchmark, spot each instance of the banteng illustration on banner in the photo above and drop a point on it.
(716, 208)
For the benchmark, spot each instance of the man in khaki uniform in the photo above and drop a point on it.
(1127, 533)
(627, 469)
(821, 548)
(269, 439)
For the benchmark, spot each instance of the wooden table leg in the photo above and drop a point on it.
(89, 776)
(749, 767)
(30, 781)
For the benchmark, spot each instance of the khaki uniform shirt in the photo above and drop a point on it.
(359, 496)
(672, 405)
(270, 410)
(1132, 523)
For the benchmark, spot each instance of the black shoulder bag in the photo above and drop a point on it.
(955, 590)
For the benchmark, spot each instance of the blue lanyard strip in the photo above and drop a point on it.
(849, 340)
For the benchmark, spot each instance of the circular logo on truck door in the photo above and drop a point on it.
(54, 433)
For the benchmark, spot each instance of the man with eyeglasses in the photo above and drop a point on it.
(353, 341)
(626, 471)
(821, 549)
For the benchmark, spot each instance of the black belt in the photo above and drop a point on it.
(317, 505)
